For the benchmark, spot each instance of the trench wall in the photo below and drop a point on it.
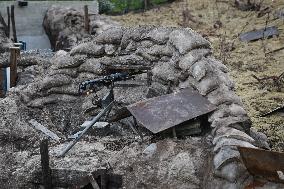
(29, 19)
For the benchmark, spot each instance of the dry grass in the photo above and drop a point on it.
(244, 60)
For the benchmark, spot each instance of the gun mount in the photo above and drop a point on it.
(106, 103)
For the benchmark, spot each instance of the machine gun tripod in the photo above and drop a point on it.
(106, 103)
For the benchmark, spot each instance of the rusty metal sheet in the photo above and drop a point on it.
(267, 164)
(163, 112)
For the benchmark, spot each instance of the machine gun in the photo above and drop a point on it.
(91, 86)
(106, 103)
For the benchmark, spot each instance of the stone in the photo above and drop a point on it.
(150, 150)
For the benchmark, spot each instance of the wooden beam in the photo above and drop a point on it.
(14, 53)
(46, 171)
(13, 23)
(86, 19)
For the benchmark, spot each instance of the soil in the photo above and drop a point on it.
(221, 23)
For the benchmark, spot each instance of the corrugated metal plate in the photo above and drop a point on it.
(163, 112)
(267, 164)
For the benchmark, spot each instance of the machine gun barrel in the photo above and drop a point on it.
(93, 121)
(91, 85)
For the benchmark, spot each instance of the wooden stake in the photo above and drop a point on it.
(46, 171)
(9, 22)
(14, 53)
(13, 23)
(2, 21)
(2, 91)
(86, 19)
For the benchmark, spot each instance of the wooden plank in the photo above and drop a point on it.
(46, 171)
(43, 129)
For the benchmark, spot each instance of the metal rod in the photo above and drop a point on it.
(93, 121)
(46, 171)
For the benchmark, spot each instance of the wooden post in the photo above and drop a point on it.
(13, 23)
(9, 21)
(2, 80)
(2, 21)
(46, 171)
(14, 53)
(86, 19)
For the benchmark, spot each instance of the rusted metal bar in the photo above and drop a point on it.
(46, 171)
(86, 19)
(13, 23)
(14, 53)
(9, 21)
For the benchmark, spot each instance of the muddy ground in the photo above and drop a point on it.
(221, 23)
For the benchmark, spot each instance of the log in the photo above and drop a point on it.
(13, 23)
